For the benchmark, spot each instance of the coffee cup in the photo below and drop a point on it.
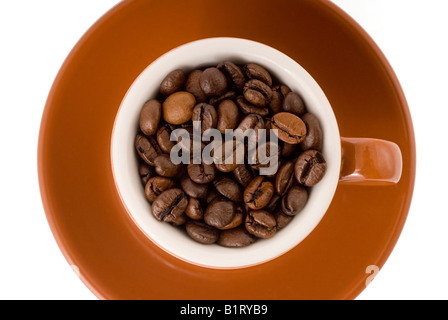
(361, 161)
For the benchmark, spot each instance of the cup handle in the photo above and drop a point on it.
(368, 161)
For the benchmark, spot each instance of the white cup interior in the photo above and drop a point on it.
(203, 53)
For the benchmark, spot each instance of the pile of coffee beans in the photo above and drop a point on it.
(228, 204)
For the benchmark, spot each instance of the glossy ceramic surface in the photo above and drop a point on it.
(115, 259)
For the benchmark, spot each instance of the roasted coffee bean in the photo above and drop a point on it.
(150, 117)
(178, 107)
(234, 75)
(232, 154)
(227, 116)
(261, 224)
(173, 82)
(288, 149)
(229, 95)
(212, 195)
(213, 82)
(220, 213)
(156, 185)
(265, 155)
(258, 193)
(235, 238)
(254, 122)
(257, 92)
(201, 232)
(313, 138)
(291, 128)
(255, 71)
(164, 137)
(192, 86)
(169, 205)
(147, 149)
(192, 188)
(248, 108)
(217, 202)
(206, 114)
(236, 221)
(181, 220)
(285, 178)
(201, 173)
(294, 200)
(310, 168)
(145, 171)
(279, 93)
(272, 173)
(165, 167)
(293, 103)
(243, 174)
(229, 188)
(194, 209)
(282, 219)
(273, 204)
(187, 143)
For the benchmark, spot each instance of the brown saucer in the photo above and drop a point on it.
(88, 220)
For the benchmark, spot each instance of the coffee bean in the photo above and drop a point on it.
(147, 148)
(156, 185)
(265, 155)
(254, 122)
(229, 95)
(285, 178)
(235, 238)
(310, 168)
(260, 223)
(219, 201)
(234, 75)
(213, 82)
(227, 116)
(243, 175)
(220, 213)
(258, 193)
(165, 167)
(232, 154)
(282, 219)
(192, 86)
(212, 195)
(294, 200)
(192, 188)
(229, 188)
(178, 107)
(291, 128)
(257, 92)
(272, 206)
(194, 209)
(288, 149)
(293, 103)
(255, 71)
(313, 138)
(164, 137)
(206, 114)
(145, 171)
(201, 173)
(169, 205)
(201, 232)
(181, 220)
(236, 221)
(173, 82)
(150, 117)
(279, 93)
(248, 108)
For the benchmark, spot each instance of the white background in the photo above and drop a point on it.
(36, 36)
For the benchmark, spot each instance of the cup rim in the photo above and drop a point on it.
(247, 256)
